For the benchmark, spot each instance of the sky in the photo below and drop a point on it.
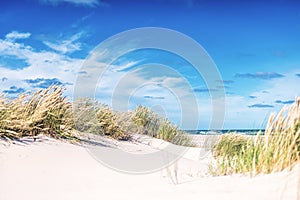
(255, 46)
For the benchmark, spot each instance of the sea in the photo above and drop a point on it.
(220, 132)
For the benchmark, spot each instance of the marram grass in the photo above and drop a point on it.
(149, 123)
(45, 111)
(107, 120)
(48, 112)
(277, 149)
(93, 117)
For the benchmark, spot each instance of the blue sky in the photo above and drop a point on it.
(254, 44)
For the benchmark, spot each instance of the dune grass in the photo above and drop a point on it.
(92, 117)
(45, 111)
(149, 123)
(146, 121)
(48, 112)
(107, 120)
(275, 150)
(85, 116)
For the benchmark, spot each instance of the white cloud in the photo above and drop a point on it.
(14, 35)
(240, 115)
(81, 21)
(283, 89)
(125, 89)
(12, 48)
(40, 64)
(50, 64)
(125, 66)
(66, 46)
(90, 3)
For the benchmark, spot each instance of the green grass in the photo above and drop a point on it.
(276, 150)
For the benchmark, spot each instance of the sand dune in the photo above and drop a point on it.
(50, 169)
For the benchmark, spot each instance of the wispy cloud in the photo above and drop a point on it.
(153, 97)
(14, 35)
(222, 87)
(281, 91)
(82, 20)
(285, 102)
(259, 75)
(204, 90)
(89, 3)
(42, 68)
(66, 46)
(125, 66)
(225, 81)
(82, 72)
(261, 106)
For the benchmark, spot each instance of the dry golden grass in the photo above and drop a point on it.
(149, 123)
(93, 117)
(281, 143)
(48, 112)
(85, 116)
(146, 121)
(107, 120)
(45, 111)
(277, 149)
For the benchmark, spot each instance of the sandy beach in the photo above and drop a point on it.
(149, 100)
(51, 169)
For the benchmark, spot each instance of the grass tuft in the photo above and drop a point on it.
(277, 149)
(149, 123)
(93, 117)
(46, 111)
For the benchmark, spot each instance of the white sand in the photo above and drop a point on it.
(57, 170)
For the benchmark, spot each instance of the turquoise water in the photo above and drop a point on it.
(220, 132)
